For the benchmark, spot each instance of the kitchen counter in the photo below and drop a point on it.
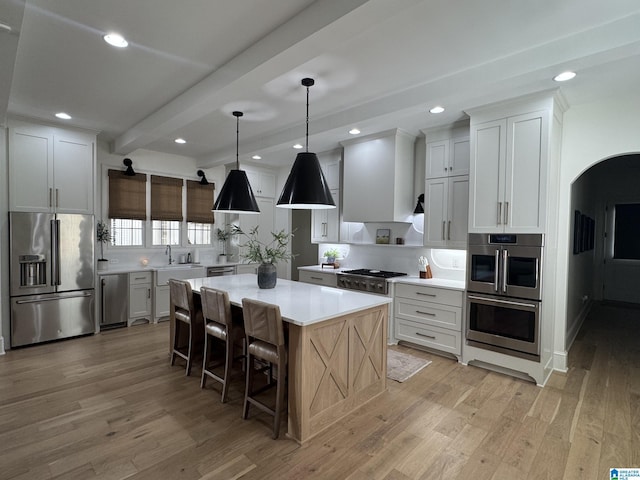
(129, 268)
(431, 282)
(337, 347)
(300, 303)
(318, 268)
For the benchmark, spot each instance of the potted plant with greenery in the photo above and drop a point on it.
(266, 254)
(103, 236)
(331, 255)
(223, 236)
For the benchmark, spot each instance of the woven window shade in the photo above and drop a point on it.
(127, 195)
(199, 202)
(166, 198)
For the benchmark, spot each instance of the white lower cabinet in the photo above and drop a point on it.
(429, 316)
(139, 297)
(318, 278)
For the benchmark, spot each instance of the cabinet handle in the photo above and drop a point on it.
(148, 293)
(140, 278)
(426, 336)
(426, 294)
(506, 213)
(499, 213)
(50, 197)
(443, 227)
(316, 278)
(426, 313)
(57, 198)
(449, 231)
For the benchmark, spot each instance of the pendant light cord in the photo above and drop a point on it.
(237, 142)
(307, 139)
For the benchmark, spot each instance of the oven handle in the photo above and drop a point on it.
(506, 302)
(495, 271)
(505, 261)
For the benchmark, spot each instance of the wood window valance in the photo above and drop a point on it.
(166, 198)
(199, 202)
(127, 195)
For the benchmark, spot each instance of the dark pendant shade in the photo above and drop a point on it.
(306, 188)
(236, 195)
(419, 208)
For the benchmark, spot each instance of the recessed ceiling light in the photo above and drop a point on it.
(63, 116)
(115, 40)
(354, 131)
(437, 109)
(564, 76)
(257, 157)
(180, 140)
(297, 146)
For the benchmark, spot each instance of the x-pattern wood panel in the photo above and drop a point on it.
(334, 360)
(366, 335)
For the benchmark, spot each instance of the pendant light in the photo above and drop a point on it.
(236, 195)
(419, 208)
(306, 188)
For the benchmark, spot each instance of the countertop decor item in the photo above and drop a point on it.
(223, 236)
(103, 236)
(425, 268)
(383, 235)
(266, 254)
(331, 255)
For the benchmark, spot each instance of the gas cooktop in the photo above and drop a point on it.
(363, 279)
(374, 273)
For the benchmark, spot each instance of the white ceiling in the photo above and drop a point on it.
(378, 64)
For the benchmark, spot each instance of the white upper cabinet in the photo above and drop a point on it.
(510, 167)
(262, 183)
(448, 157)
(447, 207)
(378, 178)
(50, 169)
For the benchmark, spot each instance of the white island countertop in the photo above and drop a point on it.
(300, 303)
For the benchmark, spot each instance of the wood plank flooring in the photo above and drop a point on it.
(109, 406)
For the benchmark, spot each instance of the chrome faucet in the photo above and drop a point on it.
(168, 252)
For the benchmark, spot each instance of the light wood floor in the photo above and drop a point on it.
(110, 407)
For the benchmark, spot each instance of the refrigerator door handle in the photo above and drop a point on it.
(55, 252)
(52, 299)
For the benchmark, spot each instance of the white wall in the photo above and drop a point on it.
(4, 240)
(592, 132)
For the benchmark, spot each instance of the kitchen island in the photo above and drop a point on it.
(337, 346)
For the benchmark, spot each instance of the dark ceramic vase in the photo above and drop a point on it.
(267, 275)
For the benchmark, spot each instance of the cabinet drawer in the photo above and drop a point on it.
(139, 277)
(326, 279)
(427, 313)
(433, 337)
(429, 294)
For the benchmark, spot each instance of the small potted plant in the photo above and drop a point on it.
(266, 254)
(223, 235)
(103, 236)
(331, 255)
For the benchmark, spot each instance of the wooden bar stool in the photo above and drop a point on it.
(219, 322)
(266, 342)
(188, 322)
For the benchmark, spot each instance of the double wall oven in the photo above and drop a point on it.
(504, 292)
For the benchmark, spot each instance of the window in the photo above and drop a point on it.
(199, 233)
(166, 210)
(626, 231)
(126, 233)
(127, 208)
(199, 214)
(165, 232)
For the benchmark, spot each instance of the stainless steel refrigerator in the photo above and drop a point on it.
(52, 276)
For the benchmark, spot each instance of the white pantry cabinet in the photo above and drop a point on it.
(50, 169)
(510, 149)
(378, 178)
(449, 157)
(262, 183)
(447, 207)
(325, 223)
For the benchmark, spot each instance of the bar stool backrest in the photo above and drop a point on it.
(182, 298)
(216, 305)
(263, 321)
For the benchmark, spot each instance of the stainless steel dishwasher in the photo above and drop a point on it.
(221, 270)
(114, 292)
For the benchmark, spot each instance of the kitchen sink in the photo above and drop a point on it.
(179, 272)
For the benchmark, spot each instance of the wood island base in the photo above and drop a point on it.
(335, 366)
